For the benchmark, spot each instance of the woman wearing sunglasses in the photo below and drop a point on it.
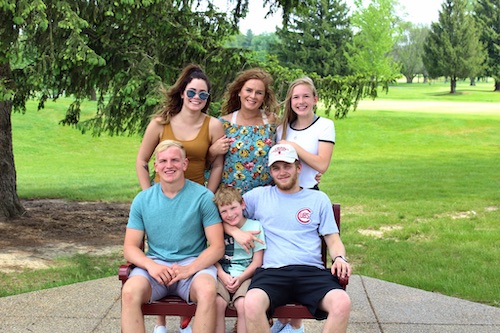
(182, 116)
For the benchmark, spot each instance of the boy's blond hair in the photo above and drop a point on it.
(226, 195)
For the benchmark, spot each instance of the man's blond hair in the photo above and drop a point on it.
(166, 144)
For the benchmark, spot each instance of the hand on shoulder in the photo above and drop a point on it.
(272, 117)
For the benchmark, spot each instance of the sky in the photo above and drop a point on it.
(417, 11)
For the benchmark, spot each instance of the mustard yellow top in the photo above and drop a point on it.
(196, 151)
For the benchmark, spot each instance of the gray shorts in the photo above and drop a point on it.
(230, 298)
(180, 288)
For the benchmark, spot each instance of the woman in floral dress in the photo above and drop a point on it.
(249, 117)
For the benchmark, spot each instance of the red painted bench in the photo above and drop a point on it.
(175, 306)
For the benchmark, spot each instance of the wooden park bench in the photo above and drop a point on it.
(175, 306)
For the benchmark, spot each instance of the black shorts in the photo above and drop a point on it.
(306, 285)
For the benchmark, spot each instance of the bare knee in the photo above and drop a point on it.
(221, 304)
(136, 291)
(337, 303)
(256, 303)
(239, 305)
(203, 290)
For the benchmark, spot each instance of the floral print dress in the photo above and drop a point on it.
(245, 164)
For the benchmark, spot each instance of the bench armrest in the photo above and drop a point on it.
(344, 283)
(124, 271)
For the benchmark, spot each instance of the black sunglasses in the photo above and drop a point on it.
(203, 95)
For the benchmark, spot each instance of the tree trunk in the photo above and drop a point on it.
(10, 206)
(93, 95)
(497, 85)
(453, 85)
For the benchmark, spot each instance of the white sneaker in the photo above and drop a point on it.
(289, 329)
(160, 329)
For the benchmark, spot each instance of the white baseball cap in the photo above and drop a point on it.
(282, 152)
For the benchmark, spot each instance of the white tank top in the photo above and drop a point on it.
(262, 112)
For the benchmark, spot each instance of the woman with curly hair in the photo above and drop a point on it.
(249, 115)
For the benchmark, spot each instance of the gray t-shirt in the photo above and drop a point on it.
(293, 224)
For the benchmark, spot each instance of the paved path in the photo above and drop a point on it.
(378, 307)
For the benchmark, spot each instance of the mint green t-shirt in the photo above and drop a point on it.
(174, 227)
(236, 259)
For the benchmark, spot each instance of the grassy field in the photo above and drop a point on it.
(63, 271)
(54, 161)
(419, 190)
(440, 91)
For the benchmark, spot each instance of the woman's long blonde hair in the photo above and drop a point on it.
(289, 116)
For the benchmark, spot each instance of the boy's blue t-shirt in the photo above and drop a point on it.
(236, 259)
(174, 227)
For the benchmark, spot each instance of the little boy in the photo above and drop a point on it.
(237, 266)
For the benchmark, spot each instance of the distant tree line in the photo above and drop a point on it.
(463, 44)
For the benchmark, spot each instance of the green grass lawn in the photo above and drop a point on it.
(419, 190)
(440, 91)
(55, 161)
(420, 199)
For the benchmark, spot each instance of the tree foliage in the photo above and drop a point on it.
(262, 43)
(453, 48)
(316, 39)
(487, 15)
(342, 93)
(409, 51)
(376, 33)
(120, 51)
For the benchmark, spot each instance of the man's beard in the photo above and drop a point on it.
(289, 185)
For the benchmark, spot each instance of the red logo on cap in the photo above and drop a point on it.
(279, 150)
(304, 216)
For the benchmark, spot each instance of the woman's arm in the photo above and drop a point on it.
(216, 174)
(149, 142)
(319, 162)
(217, 164)
(219, 147)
